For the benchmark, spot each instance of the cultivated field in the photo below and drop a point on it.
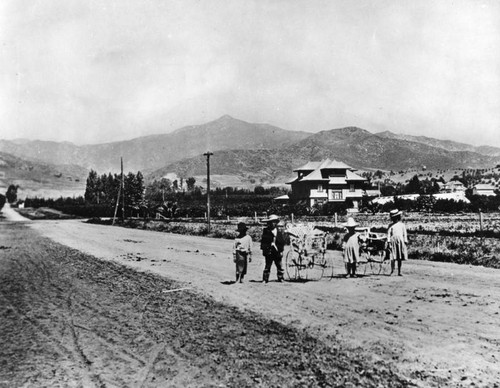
(114, 323)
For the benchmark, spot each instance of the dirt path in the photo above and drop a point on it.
(11, 215)
(439, 324)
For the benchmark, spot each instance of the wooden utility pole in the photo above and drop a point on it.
(117, 202)
(208, 154)
(123, 191)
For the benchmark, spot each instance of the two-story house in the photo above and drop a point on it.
(451, 187)
(326, 181)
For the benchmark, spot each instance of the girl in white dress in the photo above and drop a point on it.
(242, 251)
(350, 247)
(397, 240)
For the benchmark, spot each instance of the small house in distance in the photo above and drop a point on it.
(483, 189)
(318, 183)
(451, 187)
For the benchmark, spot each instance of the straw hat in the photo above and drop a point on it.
(272, 217)
(350, 223)
(394, 213)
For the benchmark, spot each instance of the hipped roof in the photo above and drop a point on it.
(325, 164)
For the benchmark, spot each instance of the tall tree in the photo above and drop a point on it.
(190, 183)
(11, 193)
(413, 186)
(91, 187)
(134, 189)
(158, 190)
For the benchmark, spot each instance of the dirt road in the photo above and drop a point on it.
(438, 324)
(69, 319)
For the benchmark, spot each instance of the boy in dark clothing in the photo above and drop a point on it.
(272, 245)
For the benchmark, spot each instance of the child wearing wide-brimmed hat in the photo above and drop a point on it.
(350, 247)
(242, 251)
(397, 240)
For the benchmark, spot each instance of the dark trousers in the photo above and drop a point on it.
(273, 257)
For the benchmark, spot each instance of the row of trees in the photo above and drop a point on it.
(104, 189)
(169, 198)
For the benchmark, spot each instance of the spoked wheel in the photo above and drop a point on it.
(385, 265)
(292, 265)
(315, 266)
(328, 266)
(376, 263)
(363, 263)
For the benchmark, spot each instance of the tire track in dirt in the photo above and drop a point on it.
(196, 340)
(90, 378)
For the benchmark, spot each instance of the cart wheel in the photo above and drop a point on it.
(385, 265)
(292, 264)
(376, 263)
(328, 266)
(363, 263)
(315, 266)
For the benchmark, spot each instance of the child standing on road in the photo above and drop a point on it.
(397, 240)
(242, 251)
(350, 248)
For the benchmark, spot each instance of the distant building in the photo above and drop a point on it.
(483, 189)
(326, 181)
(372, 193)
(451, 187)
(458, 196)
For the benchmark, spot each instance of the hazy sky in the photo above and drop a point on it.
(92, 71)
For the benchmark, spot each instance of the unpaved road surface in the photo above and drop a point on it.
(438, 325)
(69, 319)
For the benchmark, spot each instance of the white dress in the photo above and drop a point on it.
(397, 239)
(242, 250)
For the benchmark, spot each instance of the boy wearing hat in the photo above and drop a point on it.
(397, 239)
(272, 245)
(242, 251)
(350, 247)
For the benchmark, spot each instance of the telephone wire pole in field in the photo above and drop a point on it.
(208, 154)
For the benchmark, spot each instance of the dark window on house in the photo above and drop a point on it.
(351, 188)
(320, 188)
(336, 194)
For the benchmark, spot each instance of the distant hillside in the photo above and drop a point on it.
(362, 149)
(156, 151)
(251, 165)
(354, 146)
(41, 179)
(448, 145)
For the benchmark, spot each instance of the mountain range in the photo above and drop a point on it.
(448, 145)
(255, 152)
(155, 151)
